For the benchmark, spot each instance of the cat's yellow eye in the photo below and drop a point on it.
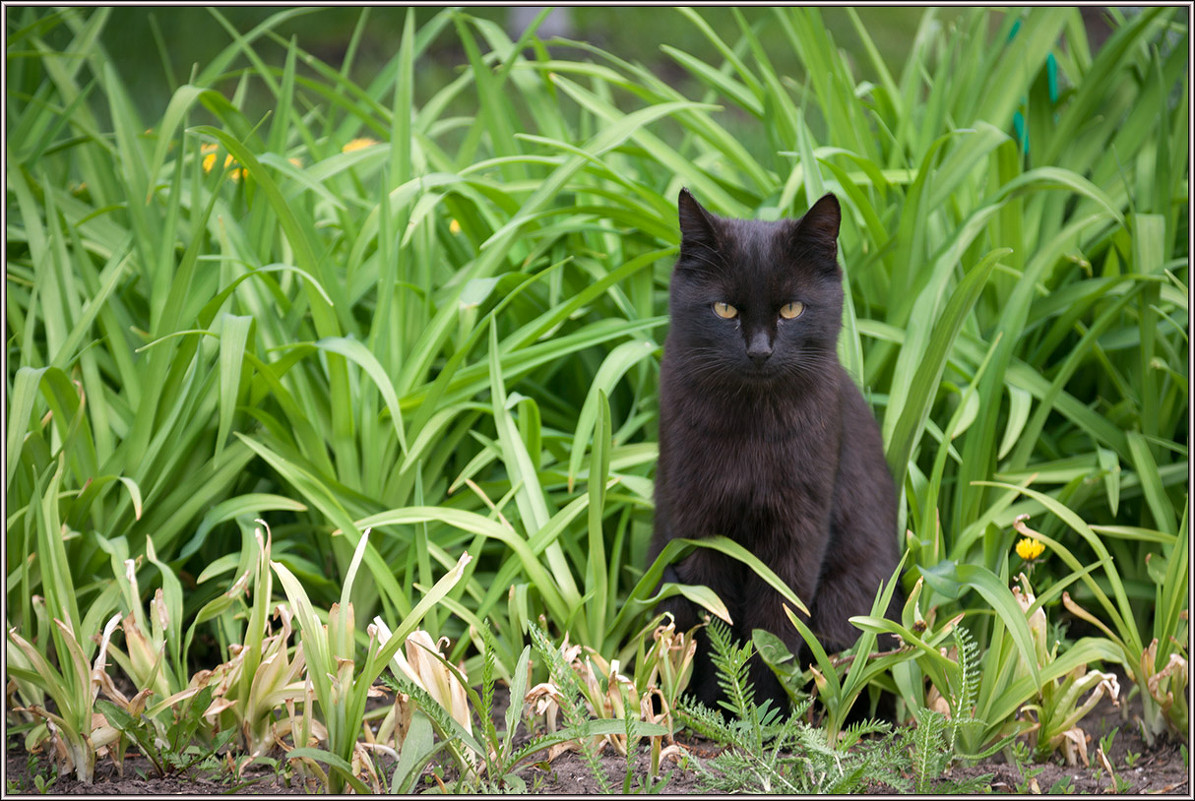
(791, 311)
(725, 310)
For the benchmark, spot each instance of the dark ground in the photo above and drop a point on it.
(1161, 770)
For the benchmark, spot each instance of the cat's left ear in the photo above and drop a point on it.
(817, 231)
(696, 226)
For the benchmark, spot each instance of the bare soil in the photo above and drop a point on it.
(1162, 770)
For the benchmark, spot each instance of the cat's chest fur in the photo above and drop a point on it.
(764, 473)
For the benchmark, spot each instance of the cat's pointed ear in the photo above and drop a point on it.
(817, 232)
(696, 225)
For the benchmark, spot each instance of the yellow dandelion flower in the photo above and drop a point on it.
(454, 227)
(209, 161)
(1029, 549)
(357, 144)
(207, 148)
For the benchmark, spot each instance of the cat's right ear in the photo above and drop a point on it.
(816, 233)
(696, 225)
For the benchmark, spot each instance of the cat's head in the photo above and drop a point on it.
(756, 303)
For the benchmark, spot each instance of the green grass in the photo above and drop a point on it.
(218, 313)
(154, 51)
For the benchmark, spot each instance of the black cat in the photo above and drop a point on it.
(764, 437)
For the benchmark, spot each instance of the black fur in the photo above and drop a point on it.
(764, 438)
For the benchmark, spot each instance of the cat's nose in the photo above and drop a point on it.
(759, 347)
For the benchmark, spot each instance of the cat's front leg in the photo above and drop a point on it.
(849, 584)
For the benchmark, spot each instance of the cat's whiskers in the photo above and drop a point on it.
(809, 364)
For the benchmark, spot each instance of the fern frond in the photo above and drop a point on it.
(732, 667)
(488, 680)
(861, 728)
(706, 722)
(968, 660)
(965, 725)
(930, 752)
(537, 743)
